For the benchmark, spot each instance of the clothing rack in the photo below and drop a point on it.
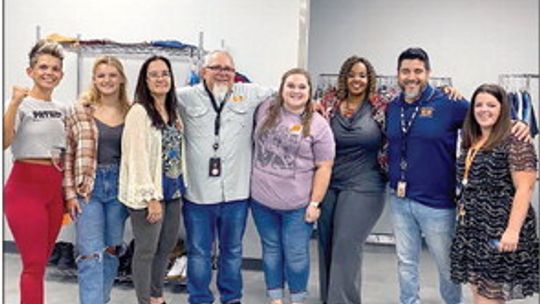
(188, 54)
(517, 82)
(328, 81)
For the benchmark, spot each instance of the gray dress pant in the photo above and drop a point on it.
(153, 244)
(346, 221)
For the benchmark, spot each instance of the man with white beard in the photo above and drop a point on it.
(218, 124)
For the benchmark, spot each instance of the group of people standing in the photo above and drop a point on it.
(213, 151)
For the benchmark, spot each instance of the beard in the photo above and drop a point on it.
(220, 92)
(411, 94)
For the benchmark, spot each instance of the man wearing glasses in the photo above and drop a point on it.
(218, 122)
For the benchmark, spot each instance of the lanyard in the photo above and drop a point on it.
(471, 154)
(218, 109)
(405, 128)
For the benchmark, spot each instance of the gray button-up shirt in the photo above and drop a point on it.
(235, 143)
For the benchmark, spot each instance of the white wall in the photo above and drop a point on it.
(471, 41)
(262, 35)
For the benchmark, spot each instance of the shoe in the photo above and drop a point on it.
(66, 260)
(178, 269)
(55, 255)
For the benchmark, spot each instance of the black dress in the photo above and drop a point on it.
(487, 200)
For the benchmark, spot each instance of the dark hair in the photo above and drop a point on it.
(145, 98)
(414, 53)
(275, 109)
(501, 128)
(343, 90)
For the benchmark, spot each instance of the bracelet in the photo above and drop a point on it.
(315, 204)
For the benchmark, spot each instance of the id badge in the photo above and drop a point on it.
(214, 168)
(401, 188)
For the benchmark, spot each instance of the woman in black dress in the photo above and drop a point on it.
(495, 248)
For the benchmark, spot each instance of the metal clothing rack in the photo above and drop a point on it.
(331, 78)
(517, 82)
(523, 82)
(88, 49)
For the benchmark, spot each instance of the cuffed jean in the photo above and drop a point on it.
(202, 221)
(285, 239)
(411, 220)
(100, 225)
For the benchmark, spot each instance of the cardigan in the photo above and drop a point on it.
(141, 164)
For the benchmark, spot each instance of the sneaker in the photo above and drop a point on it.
(67, 259)
(178, 269)
(55, 255)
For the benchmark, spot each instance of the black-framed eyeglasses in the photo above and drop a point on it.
(219, 68)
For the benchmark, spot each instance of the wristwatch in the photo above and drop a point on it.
(315, 204)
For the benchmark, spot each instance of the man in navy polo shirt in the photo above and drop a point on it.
(422, 130)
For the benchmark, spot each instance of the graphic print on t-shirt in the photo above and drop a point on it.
(46, 114)
(277, 149)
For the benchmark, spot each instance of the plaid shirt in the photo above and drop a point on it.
(81, 151)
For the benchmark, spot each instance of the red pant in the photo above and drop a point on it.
(34, 206)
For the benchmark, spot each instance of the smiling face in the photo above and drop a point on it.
(46, 72)
(487, 110)
(218, 72)
(158, 78)
(107, 79)
(413, 77)
(357, 79)
(295, 93)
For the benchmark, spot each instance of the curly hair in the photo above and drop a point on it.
(275, 109)
(346, 67)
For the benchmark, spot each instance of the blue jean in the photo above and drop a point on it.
(100, 225)
(228, 220)
(285, 239)
(412, 220)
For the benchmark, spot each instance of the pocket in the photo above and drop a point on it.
(238, 113)
(196, 111)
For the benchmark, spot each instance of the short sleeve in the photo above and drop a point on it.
(521, 156)
(19, 116)
(460, 108)
(324, 147)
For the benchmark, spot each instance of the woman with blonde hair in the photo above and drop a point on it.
(94, 134)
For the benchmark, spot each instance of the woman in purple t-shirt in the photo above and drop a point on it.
(292, 164)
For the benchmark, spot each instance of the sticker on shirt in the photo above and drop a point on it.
(277, 150)
(426, 112)
(295, 129)
(237, 98)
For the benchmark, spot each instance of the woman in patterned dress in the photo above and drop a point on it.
(495, 248)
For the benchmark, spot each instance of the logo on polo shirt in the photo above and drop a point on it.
(426, 111)
(237, 98)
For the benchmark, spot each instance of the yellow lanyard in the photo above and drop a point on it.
(471, 154)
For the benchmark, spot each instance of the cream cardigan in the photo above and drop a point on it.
(140, 167)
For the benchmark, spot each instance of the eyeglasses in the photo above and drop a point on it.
(156, 75)
(218, 68)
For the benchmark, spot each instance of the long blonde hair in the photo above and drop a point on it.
(275, 109)
(93, 96)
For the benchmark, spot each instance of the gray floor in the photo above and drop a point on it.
(380, 283)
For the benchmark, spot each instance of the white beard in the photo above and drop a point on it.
(219, 92)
